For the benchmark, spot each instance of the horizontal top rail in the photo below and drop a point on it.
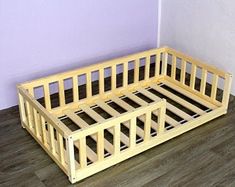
(200, 64)
(57, 124)
(117, 120)
(93, 67)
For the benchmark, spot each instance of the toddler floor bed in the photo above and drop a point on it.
(94, 117)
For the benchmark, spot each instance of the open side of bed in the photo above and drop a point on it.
(108, 112)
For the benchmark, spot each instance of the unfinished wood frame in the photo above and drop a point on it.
(70, 150)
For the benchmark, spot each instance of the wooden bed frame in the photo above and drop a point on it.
(143, 111)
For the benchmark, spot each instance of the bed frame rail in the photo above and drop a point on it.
(48, 131)
(98, 72)
(80, 168)
(208, 76)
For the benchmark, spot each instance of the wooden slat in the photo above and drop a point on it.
(125, 74)
(94, 67)
(88, 85)
(100, 119)
(147, 68)
(91, 113)
(147, 126)
(198, 63)
(36, 123)
(203, 81)
(75, 88)
(29, 114)
(101, 81)
(139, 131)
(171, 121)
(44, 138)
(227, 89)
(169, 106)
(148, 94)
(132, 132)
(214, 86)
(60, 148)
(134, 98)
(183, 71)
(188, 92)
(116, 139)
(107, 108)
(51, 138)
(22, 109)
(100, 145)
(153, 125)
(47, 96)
(121, 103)
(178, 99)
(113, 83)
(82, 124)
(114, 113)
(91, 155)
(173, 67)
(157, 64)
(136, 70)
(61, 93)
(141, 102)
(63, 129)
(193, 76)
(161, 120)
(164, 63)
(71, 158)
(82, 152)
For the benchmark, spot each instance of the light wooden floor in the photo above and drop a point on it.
(202, 157)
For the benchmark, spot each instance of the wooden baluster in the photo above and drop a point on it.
(164, 63)
(183, 71)
(100, 145)
(227, 89)
(75, 88)
(136, 69)
(36, 122)
(203, 81)
(44, 135)
(147, 68)
(30, 110)
(114, 74)
(157, 64)
(51, 137)
(60, 147)
(214, 86)
(101, 81)
(132, 132)
(61, 93)
(71, 158)
(161, 118)
(173, 67)
(125, 74)
(117, 130)
(47, 96)
(29, 114)
(22, 110)
(88, 85)
(147, 126)
(193, 76)
(82, 152)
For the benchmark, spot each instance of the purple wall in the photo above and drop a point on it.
(38, 38)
